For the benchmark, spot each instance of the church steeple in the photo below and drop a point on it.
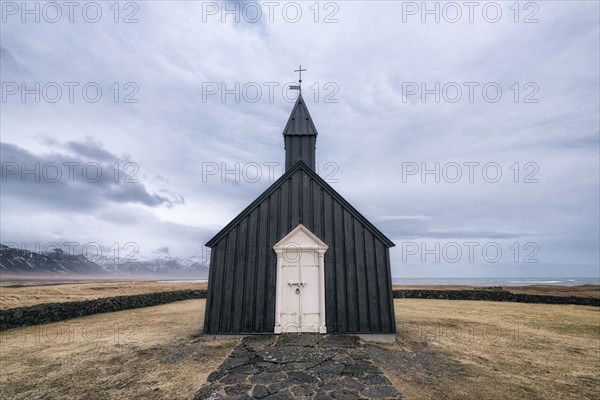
(300, 136)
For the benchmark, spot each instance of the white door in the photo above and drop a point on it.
(300, 297)
(291, 293)
(300, 302)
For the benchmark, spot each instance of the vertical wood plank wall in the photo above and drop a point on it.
(242, 279)
(299, 147)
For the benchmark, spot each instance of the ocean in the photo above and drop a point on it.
(496, 281)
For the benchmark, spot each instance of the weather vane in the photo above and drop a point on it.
(299, 86)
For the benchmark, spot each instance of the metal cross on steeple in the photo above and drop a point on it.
(299, 70)
(299, 86)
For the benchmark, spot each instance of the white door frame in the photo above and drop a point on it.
(314, 244)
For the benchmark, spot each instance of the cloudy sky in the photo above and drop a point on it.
(127, 125)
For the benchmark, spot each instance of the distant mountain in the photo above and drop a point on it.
(23, 262)
(167, 266)
(17, 261)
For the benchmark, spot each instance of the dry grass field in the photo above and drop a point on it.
(494, 350)
(27, 293)
(445, 350)
(149, 353)
(22, 293)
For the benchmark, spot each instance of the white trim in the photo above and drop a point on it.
(280, 246)
(322, 327)
(278, 297)
(320, 248)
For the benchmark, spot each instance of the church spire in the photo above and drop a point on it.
(300, 136)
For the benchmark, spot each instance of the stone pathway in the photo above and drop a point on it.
(298, 366)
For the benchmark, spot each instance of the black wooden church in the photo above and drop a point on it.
(299, 258)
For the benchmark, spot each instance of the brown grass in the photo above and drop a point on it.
(446, 350)
(29, 293)
(494, 350)
(150, 353)
(24, 294)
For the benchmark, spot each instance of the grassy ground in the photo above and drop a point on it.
(445, 350)
(26, 293)
(149, 353)
(493, 350)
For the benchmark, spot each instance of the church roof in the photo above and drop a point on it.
(300, 165)
(300, 123)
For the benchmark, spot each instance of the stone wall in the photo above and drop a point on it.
(493, 295)
(53, 312)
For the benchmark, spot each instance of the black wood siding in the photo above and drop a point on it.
(298, 148)
(242, 280)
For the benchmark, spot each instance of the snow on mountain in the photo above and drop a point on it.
(17, 261)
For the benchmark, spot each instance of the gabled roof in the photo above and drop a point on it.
(300, 165)
(300, 123)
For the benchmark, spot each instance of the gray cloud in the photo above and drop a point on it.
(164, 250)
(172, 132)
(90, 149)
(9, 63)
(74, 183)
